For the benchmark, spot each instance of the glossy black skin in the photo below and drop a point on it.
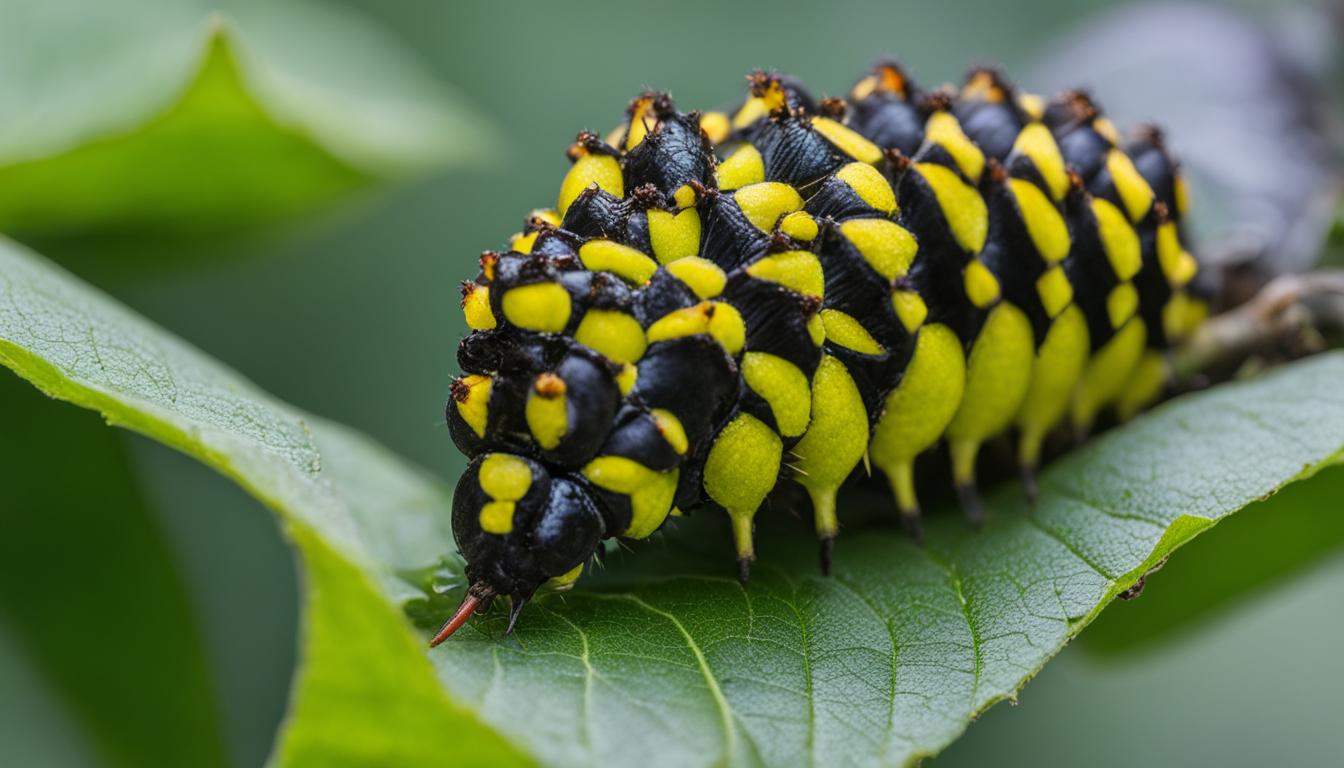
(556, 527)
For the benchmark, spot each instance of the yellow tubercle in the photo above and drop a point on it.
(783, 386)
(630, 264)
(742, 168)
(849, 333)
(888, 247)
(961, 204)
(848, 141)
(476, 308)
(674, 235)
(982, 287)
(870, 185)
(542, 307)
(472, 396)
(590, 168)
(740, 470)
(835, 440)
(702, 276)
(943, 129)
(613, 333)
(764, 204)
(799, 271)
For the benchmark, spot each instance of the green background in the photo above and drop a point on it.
(191, 592)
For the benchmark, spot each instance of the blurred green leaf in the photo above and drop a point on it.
(366, 691)
(1273, 542)
(666, 662)
(91, 593)
(173, 121)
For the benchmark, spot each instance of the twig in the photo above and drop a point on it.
(1284, 310)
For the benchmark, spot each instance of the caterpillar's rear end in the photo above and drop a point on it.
(721, 301)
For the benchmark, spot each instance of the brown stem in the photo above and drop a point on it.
(1283, 310)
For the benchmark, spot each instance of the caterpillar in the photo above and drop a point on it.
(720, 302)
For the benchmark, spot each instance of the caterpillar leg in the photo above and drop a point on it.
(1106, 374)
(917, 412)
(998, 373)
(741, 468)
(833, 444)
(1054, 375)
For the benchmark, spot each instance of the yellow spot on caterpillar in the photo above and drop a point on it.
(962, 206)
(799, 271)
(917, 412)
(816, 330)
(847, 141)
(718, 319)
(546, 410)
(765, 203)
(674, 235)
(625, 380)
(740, 470)
(1178, 266)
(834, 442)
(981, 86)
(982, 287)
(944, 130)
(716, 126)
(476, 308)
(1106, 128)
(1048, 231)
(870, 185)
(545, 216)
(1055, 290)
(497, 517)
(888, 247)
(565, 580)
(910, 309)
(505, 477)
(1182, 194)
(589, 169)
(684, 197)
(1122, 303)
(863, 89)
(1032, 104)
(702, 276)
(640, 122)
(1118, 239)
(522, 243)
(998, 371)
(800, 226)
(613, 333)
(752, 109)
(1133, 189)
(542, 307)
(630, 264)
(669, 426)
(1054, 375)
(783, 387)
(650, 492)
(849, 333)
(742, 168)
(473, 407)
(1144, 386)
(1106, 374)
(1036, 142)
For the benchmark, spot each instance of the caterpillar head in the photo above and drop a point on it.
(519, 528)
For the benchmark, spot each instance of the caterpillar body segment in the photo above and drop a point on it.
(797, 287)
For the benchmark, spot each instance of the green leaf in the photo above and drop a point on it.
(662, 660)
(92, 593)
(169, 121)
(366, 690)
(1251, 555)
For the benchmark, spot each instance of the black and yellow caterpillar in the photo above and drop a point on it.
(720, 301)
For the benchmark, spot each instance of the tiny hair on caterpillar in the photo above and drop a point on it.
(800, 290)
